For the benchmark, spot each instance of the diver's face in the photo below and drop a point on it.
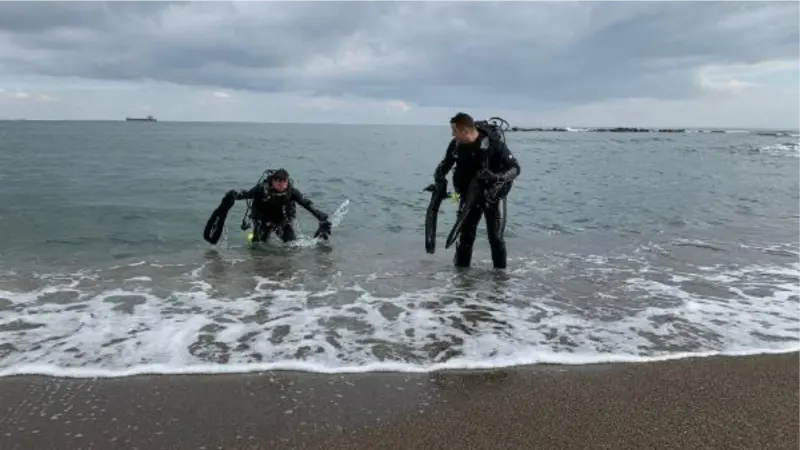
(280, 185)
(462, 135)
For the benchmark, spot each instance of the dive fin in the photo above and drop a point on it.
(216, 223)
(469, 202)
(432, 216)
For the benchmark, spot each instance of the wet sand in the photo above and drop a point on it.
(708, 403)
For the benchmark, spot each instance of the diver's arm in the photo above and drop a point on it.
(503, 165)
(242, 194)
(308, 205)
(446, 164)
(510, 166)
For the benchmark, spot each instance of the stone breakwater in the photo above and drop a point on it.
(646, 130)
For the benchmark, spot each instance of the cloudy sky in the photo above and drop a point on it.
(726, 64)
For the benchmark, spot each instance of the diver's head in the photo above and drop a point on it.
(463, 127)
(279, 180)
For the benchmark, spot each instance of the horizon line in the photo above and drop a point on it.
(522, 128)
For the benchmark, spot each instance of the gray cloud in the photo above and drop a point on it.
(28, 17)
(434, 54)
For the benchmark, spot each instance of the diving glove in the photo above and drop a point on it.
(324, 230)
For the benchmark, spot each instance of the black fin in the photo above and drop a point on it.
(216, 223)
(469, 202)
(432, 216)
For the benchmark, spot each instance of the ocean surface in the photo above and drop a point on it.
(622, 247)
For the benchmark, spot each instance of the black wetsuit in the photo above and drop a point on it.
(488, 152)
(274, 211)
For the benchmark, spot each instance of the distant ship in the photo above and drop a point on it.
(139, 119)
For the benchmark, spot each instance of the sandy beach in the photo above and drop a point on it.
(707, 403)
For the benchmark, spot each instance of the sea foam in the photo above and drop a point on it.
(606, 310)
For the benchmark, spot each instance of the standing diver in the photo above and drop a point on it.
(272, 208)
(484, 173)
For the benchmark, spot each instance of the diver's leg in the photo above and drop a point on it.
(261, 232)
(287, 233)
(495, 214)
(463, 254)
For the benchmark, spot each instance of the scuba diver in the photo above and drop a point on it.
(484, 173)
(272, 206)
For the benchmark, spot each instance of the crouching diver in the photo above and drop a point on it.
(484, 173)
(272, 207)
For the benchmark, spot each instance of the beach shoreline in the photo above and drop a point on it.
(730, 402)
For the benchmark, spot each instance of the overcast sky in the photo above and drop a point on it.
(726, 64)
